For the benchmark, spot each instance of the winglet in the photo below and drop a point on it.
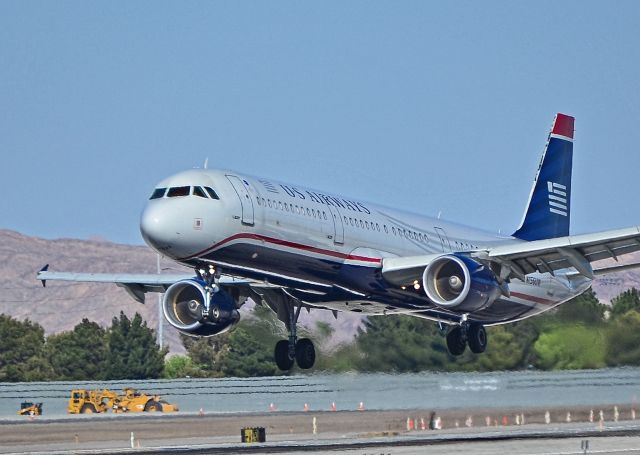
(44, 269)
(548, 212)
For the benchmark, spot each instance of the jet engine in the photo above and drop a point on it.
(459, 283)
(183, 306)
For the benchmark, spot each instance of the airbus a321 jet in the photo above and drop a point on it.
(292, 247)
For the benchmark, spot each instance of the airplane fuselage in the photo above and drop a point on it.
(325, 250)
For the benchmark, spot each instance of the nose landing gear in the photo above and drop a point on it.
(472, 333)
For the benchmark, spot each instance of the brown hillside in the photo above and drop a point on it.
(60, 306)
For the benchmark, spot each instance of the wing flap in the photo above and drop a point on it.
(575, 251)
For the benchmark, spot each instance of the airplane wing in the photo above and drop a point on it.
(545, 256)
(136, 285)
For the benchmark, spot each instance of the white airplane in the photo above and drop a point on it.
(291, 247)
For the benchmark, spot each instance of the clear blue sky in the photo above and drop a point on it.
(425, 105)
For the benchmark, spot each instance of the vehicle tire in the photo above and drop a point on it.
(305, 353)
(455, 341)
(281, 354)
(88, 408)
(152, 406)
(477, 338)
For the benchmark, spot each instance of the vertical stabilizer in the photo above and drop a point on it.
(548, 212)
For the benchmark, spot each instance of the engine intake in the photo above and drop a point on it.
(183, 304)
(459, 283)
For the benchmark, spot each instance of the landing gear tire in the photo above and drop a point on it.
(284, 362)
(456, 342)
(477, 338)
(305, 353)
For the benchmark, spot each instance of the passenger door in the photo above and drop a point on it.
(245, 199)
(338, 225)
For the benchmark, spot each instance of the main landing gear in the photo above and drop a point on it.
(300, 351)
(471, 333)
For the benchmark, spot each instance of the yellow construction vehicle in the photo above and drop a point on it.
(91, 401)
(30, 409)
(134, 401)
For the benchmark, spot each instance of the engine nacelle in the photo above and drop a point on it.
(183, 304)
(456, 282)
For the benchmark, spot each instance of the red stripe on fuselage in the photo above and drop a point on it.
(288, 244)
(532, 298)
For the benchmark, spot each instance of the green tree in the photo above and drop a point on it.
(584, 308)
(246, 356)
(205, 352)
(181, 366)
(627, 301)
(79, 354)
(132, 350)
(21, 356)
(571, 347)
(245, 351)
(504, 352)
(623, 340)
(401, 344)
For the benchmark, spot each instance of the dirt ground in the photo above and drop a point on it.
(94, 431)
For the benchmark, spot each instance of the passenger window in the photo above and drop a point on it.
(324, 214)
(394, 230)
(366, 223)
(308, 212)
(197, 191)
(362, 224)
(177, 191)
(280, 205)
(269, 201)
(212, 194)
(158, 193)
(386, 230)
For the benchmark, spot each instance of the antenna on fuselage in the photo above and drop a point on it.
(206, 162)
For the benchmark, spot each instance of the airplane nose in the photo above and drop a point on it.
(156, 228)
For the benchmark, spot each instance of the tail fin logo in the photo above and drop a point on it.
(557, 198)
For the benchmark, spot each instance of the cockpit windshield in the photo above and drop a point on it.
(181, 191)
(158, 193)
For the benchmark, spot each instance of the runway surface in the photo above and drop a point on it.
(365, 433)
